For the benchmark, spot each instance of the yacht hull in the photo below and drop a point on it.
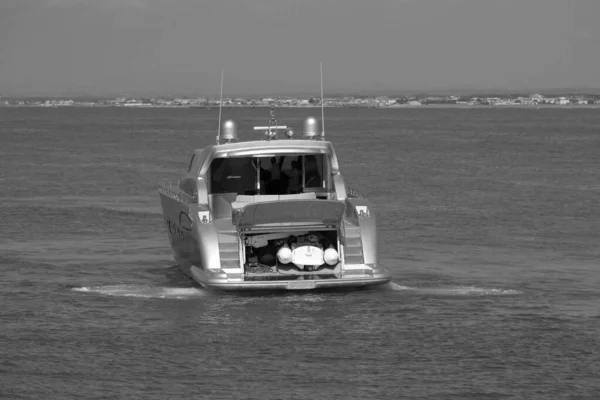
(282, 283)
(271, 215)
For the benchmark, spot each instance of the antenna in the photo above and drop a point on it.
(220, 106)
(322, 109)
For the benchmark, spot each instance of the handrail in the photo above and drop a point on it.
(173, 191)
(355, 193)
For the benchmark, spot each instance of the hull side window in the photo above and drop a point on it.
(191, 162)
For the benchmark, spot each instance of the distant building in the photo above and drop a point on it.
(537, 98)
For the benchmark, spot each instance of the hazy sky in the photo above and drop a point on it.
(275, 46)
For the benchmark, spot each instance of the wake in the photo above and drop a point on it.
(149, 292)
(455, 290)
(182, 293)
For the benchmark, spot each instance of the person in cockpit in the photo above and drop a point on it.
(295, 179)
(278, 179)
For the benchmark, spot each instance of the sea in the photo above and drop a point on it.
(488, 218)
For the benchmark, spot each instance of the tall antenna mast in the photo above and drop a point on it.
(322, 107)
(220, 105)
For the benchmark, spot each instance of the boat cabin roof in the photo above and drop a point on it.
(263, 148)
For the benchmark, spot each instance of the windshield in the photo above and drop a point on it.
(286, 174)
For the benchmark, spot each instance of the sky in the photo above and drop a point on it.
(178, 47)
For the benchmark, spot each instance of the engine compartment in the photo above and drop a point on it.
(292, 253)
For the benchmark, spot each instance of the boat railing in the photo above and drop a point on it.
(171, 189)
(354, 193)
(170, 185)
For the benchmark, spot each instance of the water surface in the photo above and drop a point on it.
(488, 220)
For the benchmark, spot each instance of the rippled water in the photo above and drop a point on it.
(488, 220)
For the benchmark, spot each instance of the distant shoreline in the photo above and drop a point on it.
(437, 106)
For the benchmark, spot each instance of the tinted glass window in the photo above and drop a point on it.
(189, 187)
(286, 174)
(233, 175)
(313, 171)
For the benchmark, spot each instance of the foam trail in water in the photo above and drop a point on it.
(152, 292)
(395, 286)
(456, 290)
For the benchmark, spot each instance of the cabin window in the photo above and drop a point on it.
(191, 162)
(284, 174)
(314, 171)
(233, 175)
(189, 187)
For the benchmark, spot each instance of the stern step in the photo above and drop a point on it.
(353, 253)
(229, 251)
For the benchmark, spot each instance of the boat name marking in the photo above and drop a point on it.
(174, 230)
